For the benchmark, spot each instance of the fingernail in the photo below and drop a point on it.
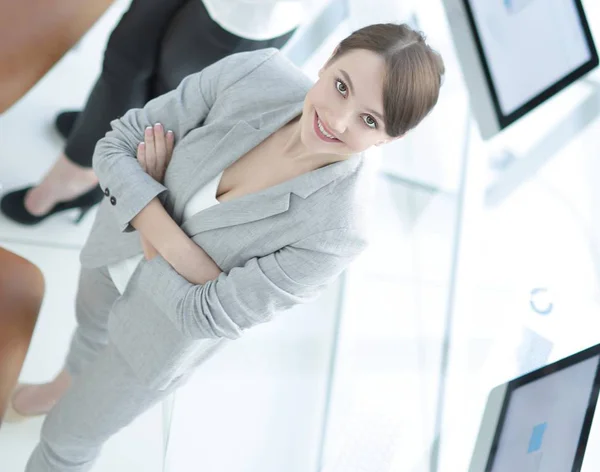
(157, 124)
(141, 144)
(169, 132)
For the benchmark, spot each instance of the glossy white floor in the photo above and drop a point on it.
(384, 394)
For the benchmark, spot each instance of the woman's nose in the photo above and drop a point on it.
(339, 121)
(338, 126)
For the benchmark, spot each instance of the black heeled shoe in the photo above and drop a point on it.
(65, 121)
(13, 206)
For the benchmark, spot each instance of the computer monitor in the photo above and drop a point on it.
(516, 54)
(541, 421)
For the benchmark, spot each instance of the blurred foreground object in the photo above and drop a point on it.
(21, 294)
(34, 35)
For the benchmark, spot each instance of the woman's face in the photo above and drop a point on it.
(343, 111)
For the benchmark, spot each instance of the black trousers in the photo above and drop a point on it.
(153, 47)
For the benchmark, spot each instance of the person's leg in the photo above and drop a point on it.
(100, 402)
(189, 40)
(106, 393)
(65, 181)
(129, 64)
(96, 294)
(194, 41)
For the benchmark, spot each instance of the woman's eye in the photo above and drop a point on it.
(370, 121)
(341, 87)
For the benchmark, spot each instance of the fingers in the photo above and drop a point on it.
(154, 154)
(160, 144)
(151, 161)
(141, 156)
(170, 144)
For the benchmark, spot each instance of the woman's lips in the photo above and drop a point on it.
(320, 134)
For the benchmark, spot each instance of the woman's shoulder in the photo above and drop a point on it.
(265, 68)
(249, 60)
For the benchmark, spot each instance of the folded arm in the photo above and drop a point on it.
(265, 285)
(181, 111)
(164, 236)
(251, 294)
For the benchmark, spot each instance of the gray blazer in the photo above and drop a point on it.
(277, 248)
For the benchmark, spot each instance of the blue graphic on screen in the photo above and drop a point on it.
(515, 6)
(537, 436)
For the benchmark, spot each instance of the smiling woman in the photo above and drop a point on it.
(412, 73)
(260, 209)
(379, 83)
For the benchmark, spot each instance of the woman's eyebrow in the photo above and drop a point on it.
(351, 86)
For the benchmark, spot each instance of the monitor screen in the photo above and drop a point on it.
(544, 421)
(519, 53)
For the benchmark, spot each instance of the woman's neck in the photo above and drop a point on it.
(294, 150)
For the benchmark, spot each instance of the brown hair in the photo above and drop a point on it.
(414, 72)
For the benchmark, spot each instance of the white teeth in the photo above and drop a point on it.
(325, 133)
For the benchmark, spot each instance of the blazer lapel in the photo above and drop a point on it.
(243, 137)
(269, 202)
(237, 141)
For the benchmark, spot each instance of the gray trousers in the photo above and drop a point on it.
(105, 395)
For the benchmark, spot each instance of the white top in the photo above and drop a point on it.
(261, 19)
(206, 197)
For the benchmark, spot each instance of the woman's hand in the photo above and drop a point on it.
(154, 154)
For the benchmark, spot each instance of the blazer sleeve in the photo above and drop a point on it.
(129, 188)
(252, 294)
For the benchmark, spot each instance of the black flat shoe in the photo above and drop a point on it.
(65, 121)
(13, 206)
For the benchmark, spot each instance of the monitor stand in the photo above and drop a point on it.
(517, 169)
